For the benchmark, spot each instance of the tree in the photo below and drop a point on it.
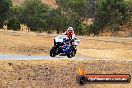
(13, 24)
(16, 11)
(71, 6)
(55, 20)
(59, 22)
(34, 14)
(129, 3)
(4, 9)
(112, 14)
(71, 14)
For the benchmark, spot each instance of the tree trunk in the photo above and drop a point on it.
(58, 31)
(1, 25)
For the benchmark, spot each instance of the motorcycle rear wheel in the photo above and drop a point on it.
(52, 52)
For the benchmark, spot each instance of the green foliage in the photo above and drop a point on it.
(59, 22)
(78, 6)
(81, 30)
(4, 9)
(13, 24)
(70, 6)
(36, 23)
(111, 13)
(16, 11)
(95, 28)
(34, 14)
(55, 20)
(71, 14)
(39, 17)
(129, 3)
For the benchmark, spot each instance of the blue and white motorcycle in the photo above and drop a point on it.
(64, 46)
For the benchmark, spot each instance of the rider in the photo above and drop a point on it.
(70, 33)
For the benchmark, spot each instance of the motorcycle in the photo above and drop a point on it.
(64, 46)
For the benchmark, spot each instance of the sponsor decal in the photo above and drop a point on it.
(83, 78)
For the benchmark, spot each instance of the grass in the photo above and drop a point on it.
(106, 47)
(24, 43)
(30, 43)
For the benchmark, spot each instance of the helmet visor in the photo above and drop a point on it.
(70, 31)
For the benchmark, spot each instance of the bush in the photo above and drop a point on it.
(94, 29)
(111, 13)
(13, 24)
(4, 9)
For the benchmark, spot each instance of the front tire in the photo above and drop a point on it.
(70, 55)
(73, 53)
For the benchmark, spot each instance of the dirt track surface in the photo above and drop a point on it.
(25, 61)
(58, 73)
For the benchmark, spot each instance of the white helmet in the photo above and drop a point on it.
(70, 29)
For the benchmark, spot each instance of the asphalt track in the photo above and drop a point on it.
(24, 57)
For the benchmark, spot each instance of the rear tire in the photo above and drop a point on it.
(52, 52)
